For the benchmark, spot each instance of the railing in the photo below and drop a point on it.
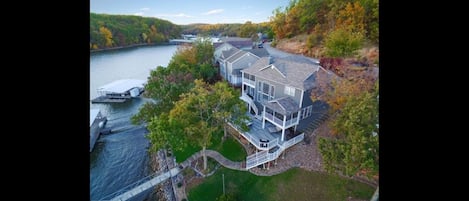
(293, 141)
(264, 156)
(274, 119)
(261, 158)
(251, 102)
(280, 121)
(250, 82)
(133, 185)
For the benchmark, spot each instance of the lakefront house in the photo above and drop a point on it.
(277, 92)
(232, 60)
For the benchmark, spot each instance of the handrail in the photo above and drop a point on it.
(130, 186)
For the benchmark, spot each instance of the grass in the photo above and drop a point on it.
(295, 184)
(230, 149)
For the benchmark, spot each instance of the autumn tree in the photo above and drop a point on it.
(107, 36)
(352, 18)
(354, 149)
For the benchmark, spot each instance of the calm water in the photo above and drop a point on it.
(121, 158)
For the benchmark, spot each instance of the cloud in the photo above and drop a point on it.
(175, 15)
(139, 13)
(212, 12)
(144, 9)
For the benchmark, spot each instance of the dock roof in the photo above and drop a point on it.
(121, 86)
(93, 114)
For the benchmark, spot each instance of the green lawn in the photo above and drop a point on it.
(230, 148)
(295, 184)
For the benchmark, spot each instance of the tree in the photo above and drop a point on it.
(247, 30)
(354, 150)
(107, 35)
(352, 18)
(342, 43)
(164, 86)
(203, 111)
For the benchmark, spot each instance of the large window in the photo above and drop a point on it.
(289, 91)
(265, 91)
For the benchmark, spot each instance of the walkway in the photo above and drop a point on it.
(163, 176)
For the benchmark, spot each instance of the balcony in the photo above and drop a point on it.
(279, 122)
(249, 82)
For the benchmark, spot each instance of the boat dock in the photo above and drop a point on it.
(97, 122)
(119, 91)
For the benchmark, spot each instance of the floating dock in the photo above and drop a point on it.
(119, 91)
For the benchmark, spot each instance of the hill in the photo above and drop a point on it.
(110, 31)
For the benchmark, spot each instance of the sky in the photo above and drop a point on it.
(184, 12)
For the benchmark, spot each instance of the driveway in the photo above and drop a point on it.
(274, 52)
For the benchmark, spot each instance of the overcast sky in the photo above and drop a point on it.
(192, 11)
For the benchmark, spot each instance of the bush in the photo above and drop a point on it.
(341, 43)
(179, 184)
(312, 40)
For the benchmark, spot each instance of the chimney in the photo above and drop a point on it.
(271, 59)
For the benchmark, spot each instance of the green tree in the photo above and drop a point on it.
(354, 150)
(247, 30)
(341, 43)
(203, 111)
(164, 86)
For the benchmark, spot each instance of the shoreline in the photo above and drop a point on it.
(131, 46)
(163, 191)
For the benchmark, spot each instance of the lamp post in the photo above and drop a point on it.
(223, 177)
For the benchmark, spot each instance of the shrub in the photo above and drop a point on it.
(341, 43)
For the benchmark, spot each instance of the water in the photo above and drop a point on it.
(121, 158)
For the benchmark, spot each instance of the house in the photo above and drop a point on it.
(231, 60)
(277, 92)
(240, 43)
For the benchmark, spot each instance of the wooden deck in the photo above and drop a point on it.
(107, 99)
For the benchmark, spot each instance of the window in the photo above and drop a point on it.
(265, 91)
(289, 91)
(306, 112)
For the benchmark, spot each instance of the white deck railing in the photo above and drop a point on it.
(293, 141)
(288, 123)
(250, 82)
(262, 157)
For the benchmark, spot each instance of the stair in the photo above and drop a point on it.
(316, 123)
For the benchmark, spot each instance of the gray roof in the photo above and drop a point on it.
(285, 105)
(260, 52)
(237, 55)
(285, 71)
(227, 53)
(229, 39)
(238, 42)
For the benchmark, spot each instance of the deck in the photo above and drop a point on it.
(108, 99)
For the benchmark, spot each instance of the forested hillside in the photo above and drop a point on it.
(246, 30)
(337, 27)
(107, 31)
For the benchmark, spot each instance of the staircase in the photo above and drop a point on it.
(317, 122)
(249, 100)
